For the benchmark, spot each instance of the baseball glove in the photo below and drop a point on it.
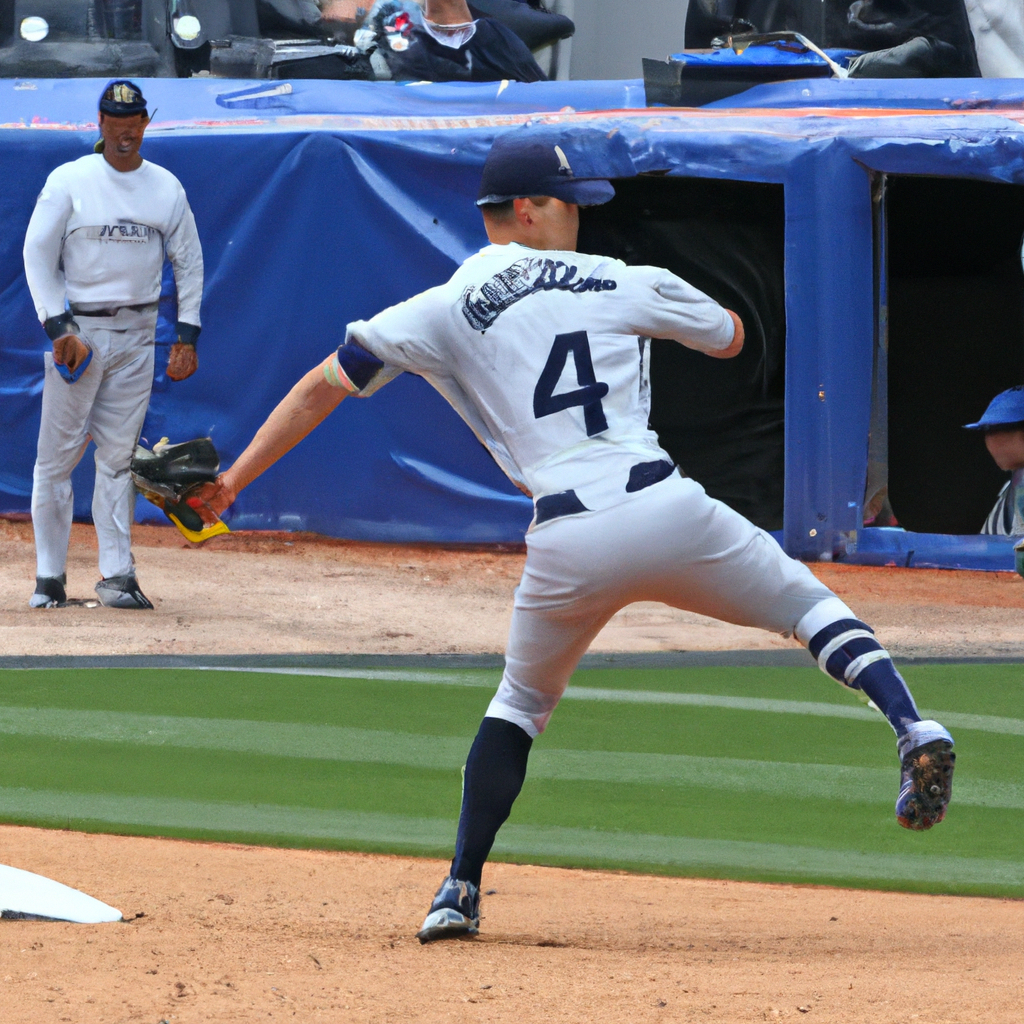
(169, 474)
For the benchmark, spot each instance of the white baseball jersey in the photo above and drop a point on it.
(545, 355)
(98, 236)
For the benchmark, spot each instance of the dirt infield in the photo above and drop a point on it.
(294, 593)
(231, 933)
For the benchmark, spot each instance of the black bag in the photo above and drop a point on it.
(901, 38)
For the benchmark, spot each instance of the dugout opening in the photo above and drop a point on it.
(723, 421)
(951, 336)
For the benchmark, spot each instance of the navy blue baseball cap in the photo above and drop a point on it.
(568, 164)
(1005, 410)
(122, 98)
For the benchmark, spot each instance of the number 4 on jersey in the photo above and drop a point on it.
(591, 390)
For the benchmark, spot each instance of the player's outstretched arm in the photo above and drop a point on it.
(307, 405)
(735, 346)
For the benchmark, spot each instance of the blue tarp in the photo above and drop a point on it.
(72, 101)
(777, 54)
(888, 546)
(902, 93)
(312, 219)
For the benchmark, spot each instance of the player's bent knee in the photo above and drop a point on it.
(524, 706)
(823, 613)
(532, 724)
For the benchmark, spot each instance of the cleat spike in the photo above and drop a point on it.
(926, 784)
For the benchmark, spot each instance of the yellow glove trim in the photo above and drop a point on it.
(213, 530)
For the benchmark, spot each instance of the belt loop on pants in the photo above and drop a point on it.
(554, 506)
(567, 503)
(644, 474)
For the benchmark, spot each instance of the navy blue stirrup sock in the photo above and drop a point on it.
(495, 771)
(848, 651)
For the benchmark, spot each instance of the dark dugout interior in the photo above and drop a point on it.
(722, 420)
(956, 339)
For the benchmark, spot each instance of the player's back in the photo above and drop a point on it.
(542, 342)
(545, 354)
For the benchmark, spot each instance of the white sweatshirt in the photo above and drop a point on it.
(98, 236)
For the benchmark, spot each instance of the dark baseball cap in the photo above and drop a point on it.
(568, 164)
(1005, 410)
(122, 98)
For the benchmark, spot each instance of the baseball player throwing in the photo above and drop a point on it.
(97, 239)
(544, 353)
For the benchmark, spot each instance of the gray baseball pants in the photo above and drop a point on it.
(107, 404)
(669, 542)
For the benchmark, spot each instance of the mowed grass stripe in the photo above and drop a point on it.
(952, 719)
(271, 739)
(463, 678)
(570, 844)
(820, 709)
(335, 743)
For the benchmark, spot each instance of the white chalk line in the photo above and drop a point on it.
(951, 719)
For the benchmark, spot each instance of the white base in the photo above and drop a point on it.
(22, 892)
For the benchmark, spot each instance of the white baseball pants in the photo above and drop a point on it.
(107, 403)
(669, 542)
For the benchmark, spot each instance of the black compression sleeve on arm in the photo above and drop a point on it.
(188, 334)
(61, 325)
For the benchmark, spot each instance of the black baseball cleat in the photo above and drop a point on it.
(122, 592)
(454, 913)
(926, 780)
(49, 592)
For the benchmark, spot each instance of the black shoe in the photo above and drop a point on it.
(122, 592)
(49, 592)
(455, 912)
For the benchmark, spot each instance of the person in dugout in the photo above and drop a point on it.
(1003, 427)
(443, 42)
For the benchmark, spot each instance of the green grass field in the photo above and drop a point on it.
(756, 773)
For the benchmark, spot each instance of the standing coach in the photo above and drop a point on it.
(94, 255)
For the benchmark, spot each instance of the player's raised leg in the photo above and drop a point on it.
(743, 576)
(846, 649)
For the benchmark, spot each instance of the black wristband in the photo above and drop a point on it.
(57, 326)
(188, 334)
